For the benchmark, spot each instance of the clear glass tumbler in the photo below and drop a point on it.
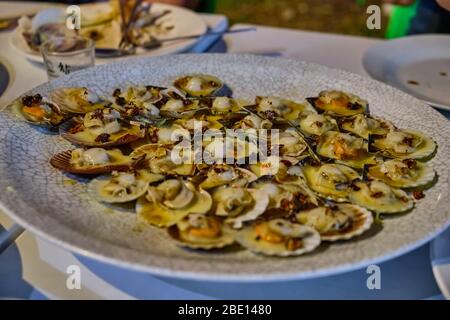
(63, 55)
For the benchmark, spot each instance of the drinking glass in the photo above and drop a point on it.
(64, 55)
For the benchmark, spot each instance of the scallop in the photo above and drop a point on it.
(226, 149)
(37, 110)
(176, 108)
(274, 107)
(266, 167)
(406, 173)
(199, 85)
(78, 100)
(222, 174)
(199, 231)
(345, 148)
(93, 161)
(317, 124)
(138, 102)
(339, 104)
(173, 92)
(288, 197)
(330, 180)
(239, 205)
(288, 175)
(160, 159)
(379, 197)
(224, 105)
(252, 121)
(121, 187)
(167, 203)
(100, 128)
(292, 146)
(338, 222)
(404, 144)
(165, 135)
(199, 123)
(138, 95)
(279, 237)
(363, 125)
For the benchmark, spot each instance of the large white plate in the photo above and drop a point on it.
(185, 22)
(419, 65)
(440, 261)
(40, 198)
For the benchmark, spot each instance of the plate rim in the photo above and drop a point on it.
(222, 277)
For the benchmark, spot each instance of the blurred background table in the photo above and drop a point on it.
(33, 268)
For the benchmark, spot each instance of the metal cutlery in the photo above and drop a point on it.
(156, 43)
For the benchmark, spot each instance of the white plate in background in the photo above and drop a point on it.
(418, 65)
(440, 261)
(186, 22)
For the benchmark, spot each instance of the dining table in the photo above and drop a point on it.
(33, 268)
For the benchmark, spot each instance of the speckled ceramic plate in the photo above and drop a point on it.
(46, 202)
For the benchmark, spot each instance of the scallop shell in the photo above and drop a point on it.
(326, 188)
(399, 200)
(137, 95)
(269, 167)
(198, 85)
(372, 125)
(338, 103)
(287, 197)
(247, 237)
(225, 105)
(179, 108)
(174, 93)
(221, 149)
(284, 108)
(326, 149)
(227, 237)
(76, 100)
(161, 216)
(292, 148)
(62, 161)
(186, 114)
(314, 124)
(129, 133)
(201, 122)
(143, 178)
(425, 152)
(156, 155)
(362, 220)
(258, 206)
(424, 175)
(229, 175)
(56, 116)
